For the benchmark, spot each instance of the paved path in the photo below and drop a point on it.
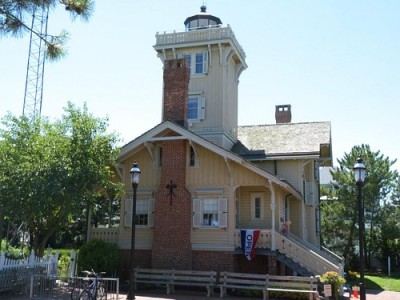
(188, 295)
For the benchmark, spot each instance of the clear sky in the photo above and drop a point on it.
(332, 60)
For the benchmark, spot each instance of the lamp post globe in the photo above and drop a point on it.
(359, 176)
(135, 176)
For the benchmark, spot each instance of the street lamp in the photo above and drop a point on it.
(135, 174)
(359, 175)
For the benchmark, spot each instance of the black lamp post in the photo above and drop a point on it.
(359, 175)
(135, 171)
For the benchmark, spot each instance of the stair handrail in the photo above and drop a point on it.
(323, 251)
(307, 258)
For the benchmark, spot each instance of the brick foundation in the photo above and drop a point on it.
(142, 259)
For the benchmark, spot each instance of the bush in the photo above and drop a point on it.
(335, 280)
(64, 260)
(99, 256)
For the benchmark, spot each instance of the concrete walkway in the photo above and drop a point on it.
(187, 295)
(197, 295)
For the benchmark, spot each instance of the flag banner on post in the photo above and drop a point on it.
(249, 239)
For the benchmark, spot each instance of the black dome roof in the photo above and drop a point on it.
(201, 20)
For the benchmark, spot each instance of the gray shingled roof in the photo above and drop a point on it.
(286, 138)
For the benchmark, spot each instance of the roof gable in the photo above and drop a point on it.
(171, 131)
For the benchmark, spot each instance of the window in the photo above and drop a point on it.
(257, 206)
(160, 156)
(198, 62)
(210, 212)
(144, 212)
(192, 157)
(142, 216)
(196, 108)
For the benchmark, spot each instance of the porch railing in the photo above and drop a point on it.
(106, 234)
(263, 242)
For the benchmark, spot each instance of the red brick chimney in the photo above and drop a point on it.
(176, 86)
(283, 114)
(172, 247)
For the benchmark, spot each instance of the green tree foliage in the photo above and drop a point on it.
(16, 18)
(99, 256)
(50, 173)
(340, 216)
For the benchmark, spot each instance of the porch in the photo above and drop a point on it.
(286, 247)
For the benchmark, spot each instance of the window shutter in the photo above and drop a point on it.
(223, 212)
(202, 108)
(151, 213)
(205, 62)
(128, 213)
(196, 212)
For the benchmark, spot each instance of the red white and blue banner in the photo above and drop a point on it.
(249, 239)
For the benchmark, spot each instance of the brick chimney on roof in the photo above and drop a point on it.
(176, 87)
(283, 114)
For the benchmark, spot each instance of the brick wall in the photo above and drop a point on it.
(176, 86)
(213, 261)
(142, 259)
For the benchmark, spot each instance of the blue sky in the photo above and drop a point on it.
(332, 60)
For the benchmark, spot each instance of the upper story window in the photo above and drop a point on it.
(196, 108)
(198, 62)
(192, 157)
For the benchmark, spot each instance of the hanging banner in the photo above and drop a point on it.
(249, 239)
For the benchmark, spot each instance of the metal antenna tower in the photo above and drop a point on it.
(35, 67)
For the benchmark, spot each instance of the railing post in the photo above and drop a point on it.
(31, 259)
(2, 260)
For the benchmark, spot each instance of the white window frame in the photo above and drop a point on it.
(201, 106)
(254, 197)
(140, 203)
(222, 212)
(192, 58)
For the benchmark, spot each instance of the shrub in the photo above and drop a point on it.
(352, 275)
(335, 280)
(64, 260)
(98, 255)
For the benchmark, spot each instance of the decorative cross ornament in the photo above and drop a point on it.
(171, 188)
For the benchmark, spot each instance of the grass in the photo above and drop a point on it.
(379, 282)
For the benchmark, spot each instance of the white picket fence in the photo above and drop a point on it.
(17, 274)
(48, 261)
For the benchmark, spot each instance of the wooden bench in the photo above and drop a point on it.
(267, 283)
(171, 278)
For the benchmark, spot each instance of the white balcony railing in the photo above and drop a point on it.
(209, 34)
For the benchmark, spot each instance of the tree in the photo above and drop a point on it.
(380, 183)
(15, 19)
(50, 173)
